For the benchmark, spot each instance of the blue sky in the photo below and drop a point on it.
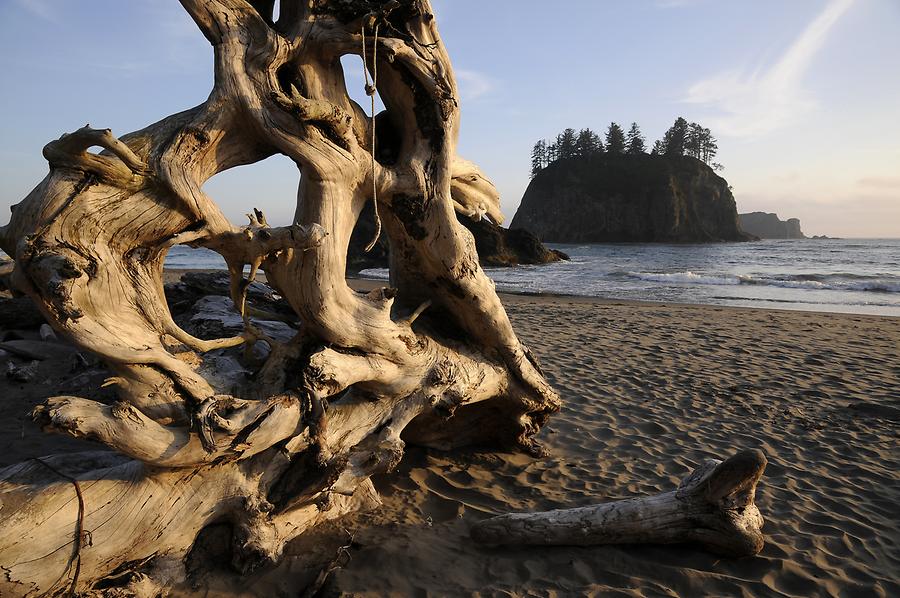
(804, 95)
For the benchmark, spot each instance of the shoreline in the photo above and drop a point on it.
(367, 284)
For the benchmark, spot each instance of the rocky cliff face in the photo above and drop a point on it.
(629, 199)
(497, 246)
(769, 226)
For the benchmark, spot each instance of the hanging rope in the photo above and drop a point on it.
(371, 90)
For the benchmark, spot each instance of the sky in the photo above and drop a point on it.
(803, 95)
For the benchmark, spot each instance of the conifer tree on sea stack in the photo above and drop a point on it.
(675, 138)
(700, 143)
(566, 144)
(552, 153)
(635, 141)
(588, 144)
(538, 157)
(709, 149)
(615, 140)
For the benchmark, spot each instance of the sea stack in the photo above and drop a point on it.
(629, 198)
(769, 226)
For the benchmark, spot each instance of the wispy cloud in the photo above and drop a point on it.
(759, 102)
(880, 182)
(39, 8)
(472, 84)
(676, 3)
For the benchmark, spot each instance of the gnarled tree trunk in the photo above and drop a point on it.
(432, 360)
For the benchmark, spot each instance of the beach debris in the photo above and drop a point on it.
(37, 350)
(218, 283)
(47, 334)
(261, 298)
(21, 373)
(224, 372)
(20, 313)
(218, 316)
(713, 508)
(80, 362)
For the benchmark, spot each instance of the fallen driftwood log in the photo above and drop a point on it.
(713, 507)
(37, 350)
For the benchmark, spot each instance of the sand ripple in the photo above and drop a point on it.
(649, 392)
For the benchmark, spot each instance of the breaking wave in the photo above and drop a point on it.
(837, 282)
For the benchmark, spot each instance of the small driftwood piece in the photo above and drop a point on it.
(713, 507)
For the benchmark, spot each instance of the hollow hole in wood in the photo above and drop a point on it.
(373, 263)
(211, 550)
(287, 75)
(271, 187)
(355, 81)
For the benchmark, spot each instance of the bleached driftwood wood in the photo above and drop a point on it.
(713, 507)
(328, 408)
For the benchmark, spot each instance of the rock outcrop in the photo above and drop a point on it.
(769, 226)
(497, 246)
(625, 198)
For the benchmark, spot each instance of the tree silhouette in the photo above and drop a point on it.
(676, 138)
(682, 138)
(538, 157)
(552, 153)
(700, 143)
(709, 149)
(565, 144)
(693, 140)
(588, 144)
(635, 141)
(615, 139)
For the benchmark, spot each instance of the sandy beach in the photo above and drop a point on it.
(650, 390)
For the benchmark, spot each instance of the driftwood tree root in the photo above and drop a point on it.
(364, 375)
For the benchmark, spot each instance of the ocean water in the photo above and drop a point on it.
(834, 275)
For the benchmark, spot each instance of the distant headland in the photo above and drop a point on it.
(769, 226)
